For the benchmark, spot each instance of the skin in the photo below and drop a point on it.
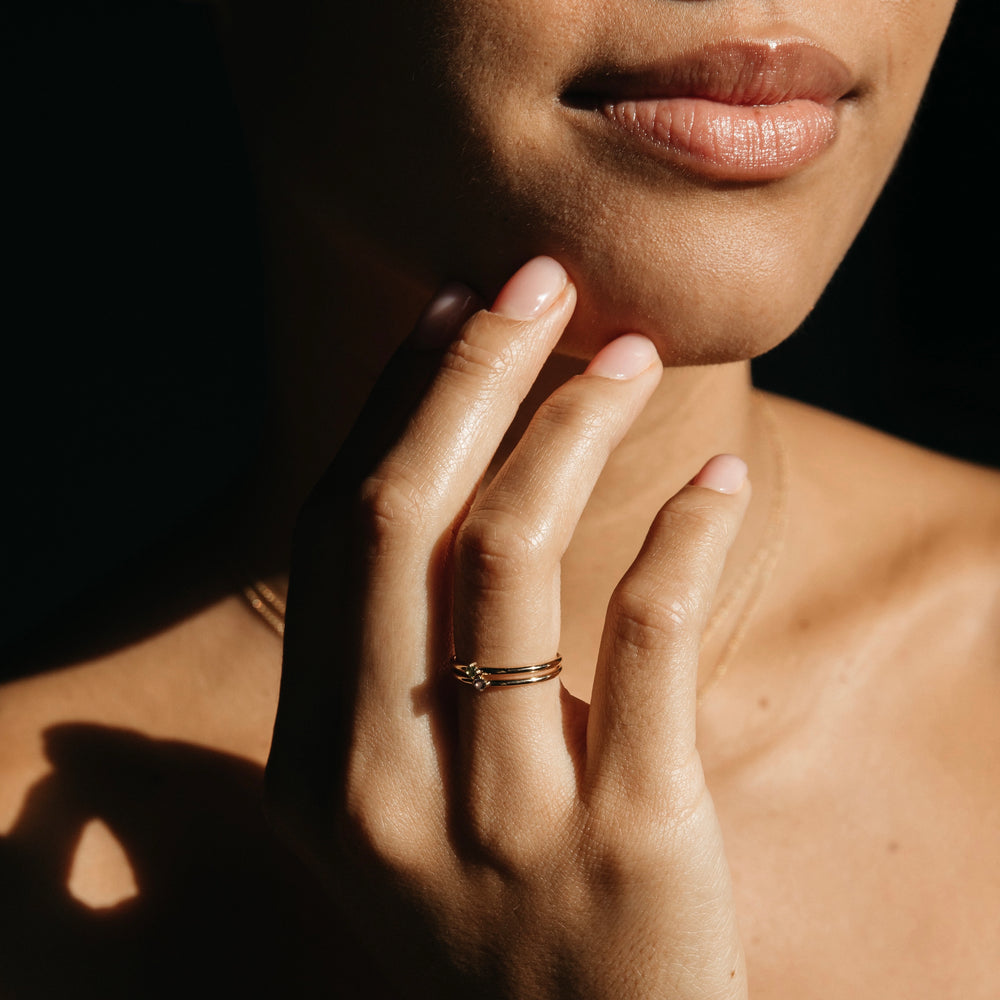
(480, 118)
(847, 847)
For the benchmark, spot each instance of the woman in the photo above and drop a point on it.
(648, 195)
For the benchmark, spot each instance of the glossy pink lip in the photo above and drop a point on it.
(738, 110)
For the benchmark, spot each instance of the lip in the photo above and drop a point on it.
(738, 110)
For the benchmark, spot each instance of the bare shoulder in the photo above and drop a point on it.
(873, 726)
(202, 681)
(892, 581)
(923, 524)
(133, 843)
(900, 577)
(884, 461)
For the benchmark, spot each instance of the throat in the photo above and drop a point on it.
(668, 454)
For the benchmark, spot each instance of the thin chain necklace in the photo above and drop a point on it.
(268, 604)
(746, 596)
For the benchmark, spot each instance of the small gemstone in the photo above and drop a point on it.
(480, 684)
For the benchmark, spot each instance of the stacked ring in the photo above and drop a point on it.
(482, 678)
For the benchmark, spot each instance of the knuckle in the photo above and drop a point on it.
(691, 809)
(483, 365)
(496, 545)
(642, 828)
(699, 523)
(646, 620)
(587, 419)
(389, 505)
(374, 824)
(626, 843)
(505, 838)
(502, 848)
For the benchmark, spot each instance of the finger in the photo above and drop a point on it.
(642, 721)
(414, 498)
(507, 557)
(313, 723)
(368, 579)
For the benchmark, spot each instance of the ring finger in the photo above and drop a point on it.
(507, 556)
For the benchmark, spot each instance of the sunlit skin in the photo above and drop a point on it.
(850, 747)
(711, 273)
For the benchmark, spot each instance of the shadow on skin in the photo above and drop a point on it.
(222, 909)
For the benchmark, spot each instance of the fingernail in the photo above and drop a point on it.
(532, 289)
(724, 474)
(443, 317)
(623, 358)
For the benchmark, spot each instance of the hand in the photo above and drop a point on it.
(515, 842)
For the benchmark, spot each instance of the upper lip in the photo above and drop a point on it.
(735, 71)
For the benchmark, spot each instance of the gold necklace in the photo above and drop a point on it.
(266, 603)
(270, 606)
(747, 594)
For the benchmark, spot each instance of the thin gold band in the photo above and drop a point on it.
(482, 678)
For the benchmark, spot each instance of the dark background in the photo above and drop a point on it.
(134, 313)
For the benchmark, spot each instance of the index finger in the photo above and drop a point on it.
(317, 687)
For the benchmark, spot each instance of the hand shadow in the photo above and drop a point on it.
(222, 908)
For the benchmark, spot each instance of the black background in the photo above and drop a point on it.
(134, 317)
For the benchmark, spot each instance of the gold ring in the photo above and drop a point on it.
(482, 678)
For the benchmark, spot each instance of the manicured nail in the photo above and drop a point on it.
(724, 474)
(623, 358)
(443, 317)
(532, 289)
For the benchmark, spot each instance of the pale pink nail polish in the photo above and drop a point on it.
(623, 358)
(531, 290)
(724, 474)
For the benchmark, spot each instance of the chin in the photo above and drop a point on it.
(711, 271)
(685, 334)
(713, 278)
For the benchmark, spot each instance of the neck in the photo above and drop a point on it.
(338, 316)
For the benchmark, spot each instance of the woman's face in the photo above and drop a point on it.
(699, 166)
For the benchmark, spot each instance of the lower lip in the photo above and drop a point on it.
(729, 141)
